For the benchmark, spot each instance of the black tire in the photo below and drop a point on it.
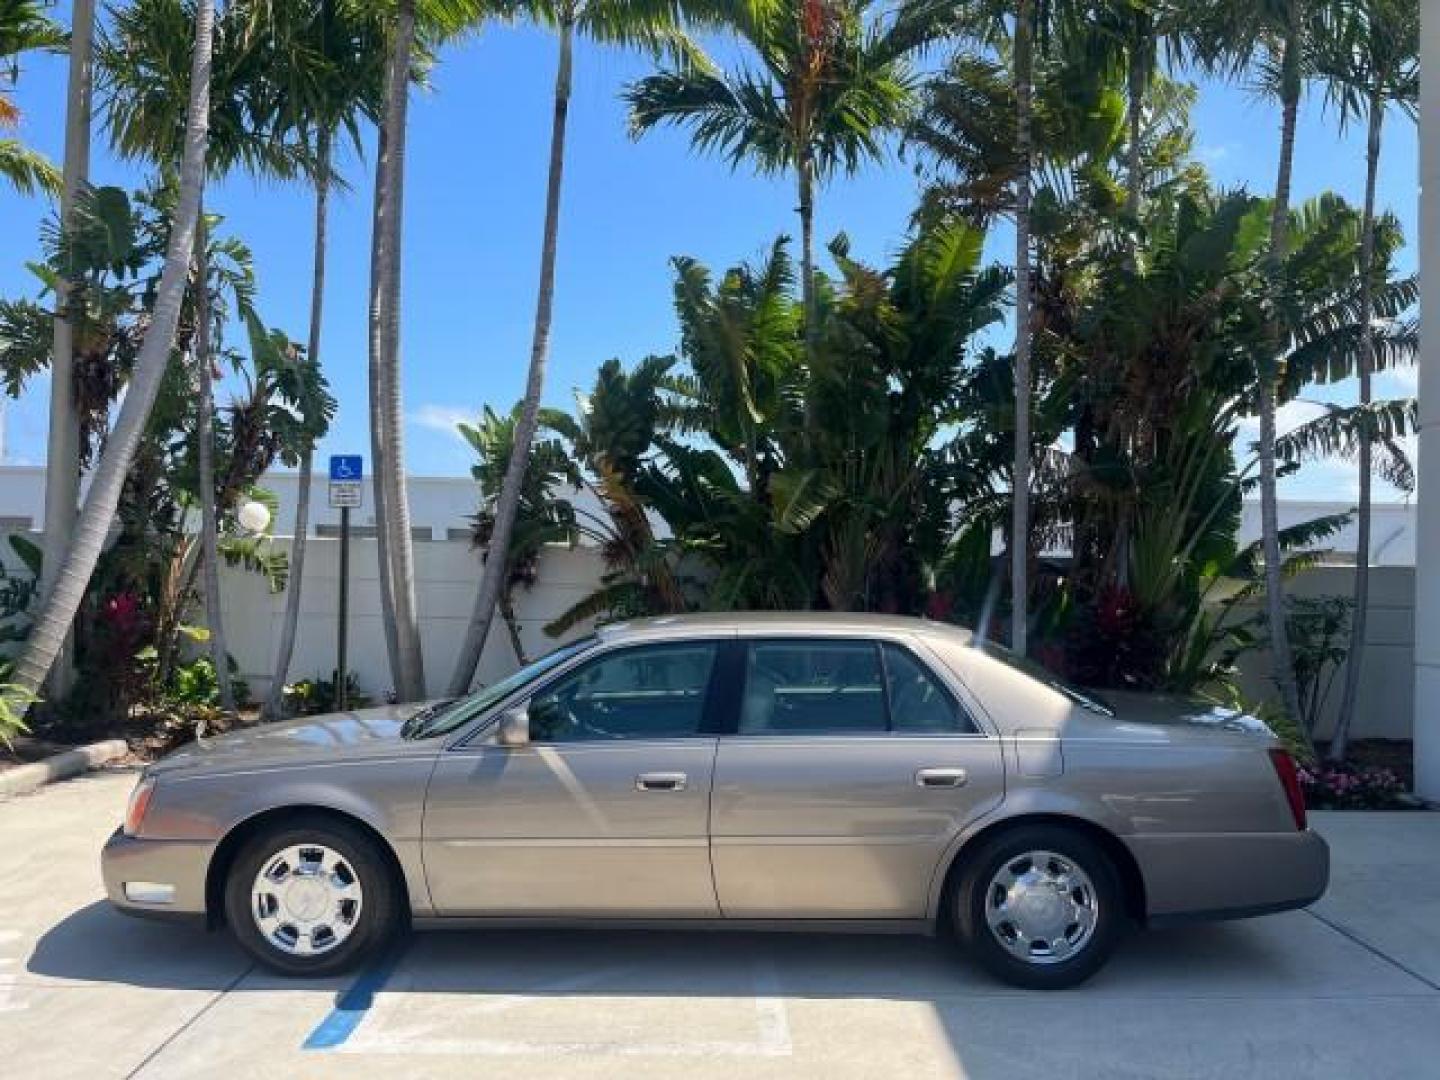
(969, 898)
(379, 913)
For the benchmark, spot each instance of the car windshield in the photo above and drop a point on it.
(1087, 699)
(445, 717)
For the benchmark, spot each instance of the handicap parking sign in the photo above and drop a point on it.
(347, 467)
(346, 473)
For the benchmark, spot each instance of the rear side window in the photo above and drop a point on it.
(837, 687)
(918, 701)
(799, 687)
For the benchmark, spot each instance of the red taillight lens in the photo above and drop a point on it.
(1290, 781)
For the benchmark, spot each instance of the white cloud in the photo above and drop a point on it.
(443, 418)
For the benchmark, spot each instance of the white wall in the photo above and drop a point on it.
(448, 575)
(1385, 708)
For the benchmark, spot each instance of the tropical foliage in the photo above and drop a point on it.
(1053, 446)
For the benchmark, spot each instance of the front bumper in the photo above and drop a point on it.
(1230, 875)
(163, 879)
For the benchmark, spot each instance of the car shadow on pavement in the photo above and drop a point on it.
(98, 944)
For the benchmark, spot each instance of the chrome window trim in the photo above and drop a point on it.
(463, 740)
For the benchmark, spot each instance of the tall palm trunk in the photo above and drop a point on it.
(1341, 739)
(58, 610)
(205, 466)
(492, 580)
(398, 560)
(1280, 654)
(378, 451)
(805, 184)
(1020, 505)
(275, 700)
(1136, 78)
(62, 457)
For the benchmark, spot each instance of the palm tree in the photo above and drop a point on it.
(23, 28)
(833, 80)
(62, 457)
(143, 82)
(392, 511)
(1276, 41)
(332, 74)
(1031, 25)
(413, 28)
(59, 607)
(1369, 60)
(653, 25)
(546, 516)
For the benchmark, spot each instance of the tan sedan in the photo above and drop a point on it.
(779, 771)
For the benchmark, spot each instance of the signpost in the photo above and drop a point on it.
(347, 474)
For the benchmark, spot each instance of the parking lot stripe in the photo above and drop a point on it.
(342, 1021)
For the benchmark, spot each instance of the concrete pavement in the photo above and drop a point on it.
(1352, 989)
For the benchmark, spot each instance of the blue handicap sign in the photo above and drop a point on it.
(347, 467)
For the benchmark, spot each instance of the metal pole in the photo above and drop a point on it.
(1427, 537)
(342, 677)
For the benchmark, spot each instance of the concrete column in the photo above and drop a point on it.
(1427, 538)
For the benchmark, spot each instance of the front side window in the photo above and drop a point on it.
(645, 692)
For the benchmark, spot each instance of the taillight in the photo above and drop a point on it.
(1290, 781)
(139, 803)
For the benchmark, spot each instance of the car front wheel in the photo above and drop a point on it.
(311, 898)
(1039, 906)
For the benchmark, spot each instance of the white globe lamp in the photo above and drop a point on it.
(254, 517)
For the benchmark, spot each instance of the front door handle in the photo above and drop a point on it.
(940, 778)
(661, 781)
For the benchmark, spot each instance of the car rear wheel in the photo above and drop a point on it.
(1039, 906)
(311, 897)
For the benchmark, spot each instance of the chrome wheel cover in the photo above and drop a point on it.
(306, 900)
(1041, 907)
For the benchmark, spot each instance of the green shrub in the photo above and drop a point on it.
(312, 697)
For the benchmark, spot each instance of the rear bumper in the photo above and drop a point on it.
(160, 879)
(1230, 875)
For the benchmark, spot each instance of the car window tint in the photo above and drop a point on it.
(800, 687)
(648, 692)
(918, 702)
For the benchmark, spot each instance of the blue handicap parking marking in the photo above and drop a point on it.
(357, 1000)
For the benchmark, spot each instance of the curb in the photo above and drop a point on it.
(27, 778)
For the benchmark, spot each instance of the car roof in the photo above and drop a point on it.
(778, 622)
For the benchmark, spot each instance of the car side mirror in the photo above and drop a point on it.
(514, 728)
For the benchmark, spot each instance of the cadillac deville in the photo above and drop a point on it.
(805, 771)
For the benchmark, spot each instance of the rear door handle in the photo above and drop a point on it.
(940, 778)
(661, 781)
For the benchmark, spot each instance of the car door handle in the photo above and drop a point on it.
(940, 778)
(661, 781)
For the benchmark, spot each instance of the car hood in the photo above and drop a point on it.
(347, 736)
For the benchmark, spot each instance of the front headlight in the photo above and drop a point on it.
(139, 803)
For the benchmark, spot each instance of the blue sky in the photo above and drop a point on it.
(478, 145)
